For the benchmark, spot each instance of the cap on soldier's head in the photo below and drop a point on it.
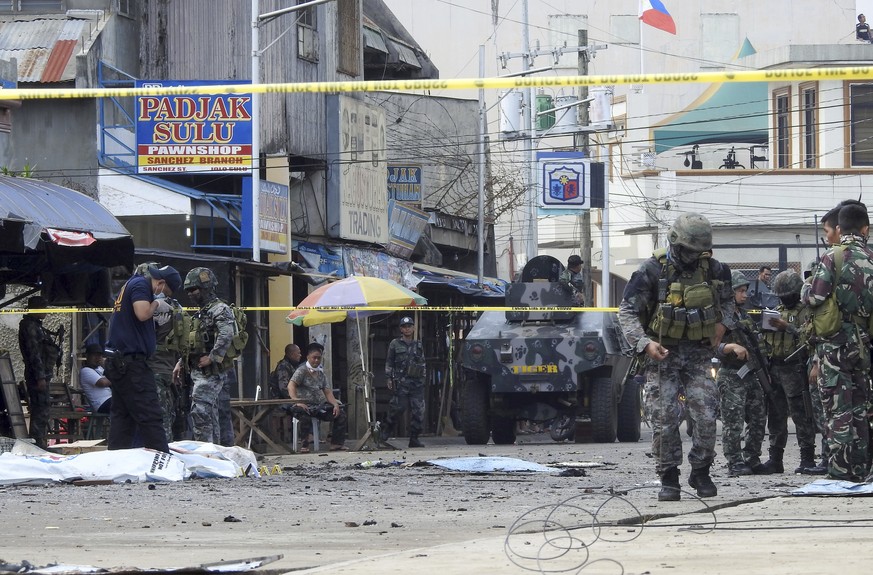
(738, 279)
(574, 261)
(407, 321)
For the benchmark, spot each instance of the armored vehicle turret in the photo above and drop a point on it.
(559, 366)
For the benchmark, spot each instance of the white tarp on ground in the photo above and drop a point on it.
(27, 464)
(491, 465)
(834, 487)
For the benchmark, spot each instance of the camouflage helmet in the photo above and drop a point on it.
(787, 283)
(692, 231)
(143, 269)
(738, 279)
(202, 278)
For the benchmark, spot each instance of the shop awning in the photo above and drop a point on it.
(463, 282)
(733, 113)
(48, 230)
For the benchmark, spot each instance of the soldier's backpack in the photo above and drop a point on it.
(826, 318)
(240, 335)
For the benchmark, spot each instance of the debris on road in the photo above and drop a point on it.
(491, 465)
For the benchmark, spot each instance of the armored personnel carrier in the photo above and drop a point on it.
(572, 369)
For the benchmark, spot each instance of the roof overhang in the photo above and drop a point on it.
(59, 239)
(460, 281)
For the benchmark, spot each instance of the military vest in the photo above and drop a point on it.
(201, 338)
(176, 336)
(687, 304)
(784, 343)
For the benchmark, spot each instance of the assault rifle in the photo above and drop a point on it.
(755, 362)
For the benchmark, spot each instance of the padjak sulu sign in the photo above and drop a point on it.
(193, 133)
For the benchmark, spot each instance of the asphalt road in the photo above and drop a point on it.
(327, 511)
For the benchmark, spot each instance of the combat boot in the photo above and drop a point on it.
(670, 490)
(414, 442)
(807, 462)
(741, 468)
(774, 464)
(820, 468)
(700, 480)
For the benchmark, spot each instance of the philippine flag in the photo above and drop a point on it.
(653, 13)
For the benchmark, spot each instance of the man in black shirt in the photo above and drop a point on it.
(132, 341)
(862, 29)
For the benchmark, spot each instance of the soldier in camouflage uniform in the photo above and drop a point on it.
(212, 332)
(845, 354)
(788, 371)
(573, 280)
(812, 375)
(165, 356)
(404, 368)
(40, 354)
(675, 310)
(829, 224)
(741, 397)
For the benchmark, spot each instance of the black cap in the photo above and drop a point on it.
(37, 302)
(93, 348)
(169, 275)
(407, 321)
(574, 261)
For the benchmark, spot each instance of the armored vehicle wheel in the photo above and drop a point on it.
(629, 415)
(604, 410)
(474, 409)
(503, 431)
(563, 427)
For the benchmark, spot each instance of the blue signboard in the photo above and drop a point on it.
(195, 133)
(406, 226)
(320, 258)
(404, 183)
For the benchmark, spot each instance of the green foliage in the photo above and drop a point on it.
(26, 172)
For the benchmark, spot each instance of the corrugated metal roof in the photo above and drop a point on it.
(44, 205)
(43, 47)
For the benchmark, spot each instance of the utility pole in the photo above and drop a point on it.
(480, 245)
(584, 220)
(529, 122)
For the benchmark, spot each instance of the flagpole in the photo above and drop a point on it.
(642, 55)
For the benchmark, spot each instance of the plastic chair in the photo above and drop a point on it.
(316, 433)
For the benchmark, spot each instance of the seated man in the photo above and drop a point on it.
(312, 397)
(95, 385)
(286, 367)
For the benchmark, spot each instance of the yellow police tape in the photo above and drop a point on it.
(786, 75)
(425, 308)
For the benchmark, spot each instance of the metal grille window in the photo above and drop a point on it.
(349, 34)
(127, 8)
(307, 33)
(861, 119)
(809, 126)
(33, 6)
(782, 127)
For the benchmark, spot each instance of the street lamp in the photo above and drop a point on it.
(257, 20)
